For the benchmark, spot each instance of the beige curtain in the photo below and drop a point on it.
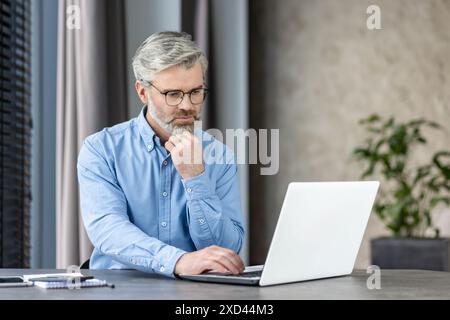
(91, 95)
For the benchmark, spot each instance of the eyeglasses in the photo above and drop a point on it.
(175, 97)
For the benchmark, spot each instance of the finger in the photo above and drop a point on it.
(186, 147)
(233, 258)
(174, 139)
(169, 146)
(236, 259)
(230, 263)
(189, 143)
(186, 140)
(192, 141)
(192, 137)
(179, 143)
(212, 265)
(223, 259)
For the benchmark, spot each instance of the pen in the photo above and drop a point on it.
(60, 278)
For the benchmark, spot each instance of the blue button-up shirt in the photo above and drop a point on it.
(138, 211)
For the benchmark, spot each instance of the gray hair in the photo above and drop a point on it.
(163, 50)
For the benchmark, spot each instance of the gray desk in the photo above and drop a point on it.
(395, 284)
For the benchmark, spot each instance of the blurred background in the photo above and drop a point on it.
(310, 68)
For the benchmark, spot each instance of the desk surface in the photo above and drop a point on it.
(395, 284)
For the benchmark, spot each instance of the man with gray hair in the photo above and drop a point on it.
(147, 201)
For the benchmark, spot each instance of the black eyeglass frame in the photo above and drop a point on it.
(165, 93)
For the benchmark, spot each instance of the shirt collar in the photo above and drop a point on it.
(145, 130)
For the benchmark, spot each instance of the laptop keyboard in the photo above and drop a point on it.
(247, 274)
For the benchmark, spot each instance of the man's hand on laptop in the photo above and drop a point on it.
(213, 258)
(186, 152)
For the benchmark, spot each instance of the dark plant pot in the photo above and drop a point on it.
(417, 253)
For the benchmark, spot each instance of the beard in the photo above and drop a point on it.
(169, 124)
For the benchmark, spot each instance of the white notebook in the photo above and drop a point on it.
(66, 285)
(63, 284)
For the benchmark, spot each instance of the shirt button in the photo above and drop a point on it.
(162, 269)
(164, 194)
(202, 221)
(165, 163)
(149, 147)
(189, 190)
(164, 224)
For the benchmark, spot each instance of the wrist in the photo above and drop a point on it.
(194, 174)
(178, 265)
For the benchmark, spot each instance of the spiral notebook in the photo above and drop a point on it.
(68, 285)
(64, 284)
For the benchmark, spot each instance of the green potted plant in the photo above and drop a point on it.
(408, 196)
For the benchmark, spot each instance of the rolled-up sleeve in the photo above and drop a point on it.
(214, 210)
(104, 213)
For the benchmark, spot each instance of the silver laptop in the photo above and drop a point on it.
(318, 235)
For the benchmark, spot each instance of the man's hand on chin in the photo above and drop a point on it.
(187, 154)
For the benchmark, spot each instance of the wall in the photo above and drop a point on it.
(316, 70)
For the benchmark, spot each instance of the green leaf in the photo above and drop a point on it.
(420, 122)
(361, 152)
(437, 233)
(402, 193)
(394, 228)
(386, 159)
(369, 171)
(436, 200)
(380, 210)
(427, 215)
(434, 124)
(379, 144)
(370, 119)
(416, 122)
(422, 140)
(374, 130)
(421, 173)
(398, 143)
(399, 166)
(433, 185)
(389, 123)
(437, 160)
